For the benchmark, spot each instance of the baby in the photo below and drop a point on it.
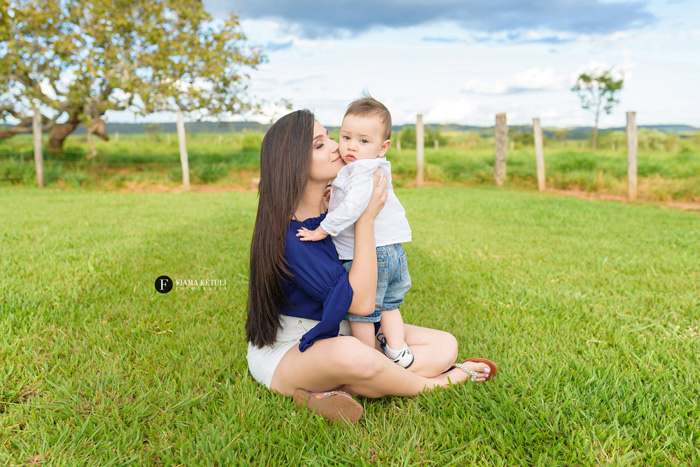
(364, 140)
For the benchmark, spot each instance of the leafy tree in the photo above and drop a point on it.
(521, 138)
(407, 135)
(432, 134)
(153, 130)
(610, 137)
(76, 59)
(650, 138)
(597, 90)
(560, 134)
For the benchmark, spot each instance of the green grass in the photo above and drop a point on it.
(664, 174)
(136, 159)
(591, 310)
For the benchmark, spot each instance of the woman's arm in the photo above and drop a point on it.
(363, 273)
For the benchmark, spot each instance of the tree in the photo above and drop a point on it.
(76, 59)
(597, 90)
(407, 135)
(433, 133)
(520, 137)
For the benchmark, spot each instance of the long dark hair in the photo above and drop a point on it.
(285, 165)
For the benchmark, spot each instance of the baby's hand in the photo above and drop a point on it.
(306, 235)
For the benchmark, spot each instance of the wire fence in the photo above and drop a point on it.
(216, 156)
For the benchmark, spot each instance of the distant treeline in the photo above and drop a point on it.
(574, 133)
(195, 127)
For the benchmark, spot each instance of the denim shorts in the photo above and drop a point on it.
(393, 281)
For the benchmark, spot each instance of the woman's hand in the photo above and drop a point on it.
(378, 199)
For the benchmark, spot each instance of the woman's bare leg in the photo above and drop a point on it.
(344, 362)
(434, 351)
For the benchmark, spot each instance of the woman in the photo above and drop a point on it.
(299, 292)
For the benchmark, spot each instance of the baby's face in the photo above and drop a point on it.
(362, 138)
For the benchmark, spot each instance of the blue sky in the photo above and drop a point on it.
(462, 61)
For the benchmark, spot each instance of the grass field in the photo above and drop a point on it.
(591, 309)
(665, 173)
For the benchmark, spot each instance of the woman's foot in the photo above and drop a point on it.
(470, 370)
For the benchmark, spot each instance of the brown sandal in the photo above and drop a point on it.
(333, 405)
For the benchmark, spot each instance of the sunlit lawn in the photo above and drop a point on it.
(591, 309)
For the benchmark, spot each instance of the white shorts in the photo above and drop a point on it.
(263, 362)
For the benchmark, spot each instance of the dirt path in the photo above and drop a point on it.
(136, 188)
(683, 205)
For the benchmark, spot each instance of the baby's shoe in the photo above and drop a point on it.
(403, 357)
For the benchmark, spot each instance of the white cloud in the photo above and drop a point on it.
(412, 75)
(274, 36)
(484, 87)
(269, 29)
(609, 40)
(627, 65)
(550, 114)
(452, 111)
(536, 79)
(533, 79)
(593, 66)
(319, 19)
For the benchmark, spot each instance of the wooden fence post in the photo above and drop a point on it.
(632, 155)
(539, 156)
(501, 143)
(420, 143)
(437, 145)
(398, 144)
(183, 151)
(38, 153)
(220, 139)
(167, 139)
(116, 137)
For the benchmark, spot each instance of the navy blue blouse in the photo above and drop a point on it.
(320, 288)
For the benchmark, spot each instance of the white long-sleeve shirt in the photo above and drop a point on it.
(350, 194)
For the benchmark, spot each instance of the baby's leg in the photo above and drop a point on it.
(392, 327)
(364, 331)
